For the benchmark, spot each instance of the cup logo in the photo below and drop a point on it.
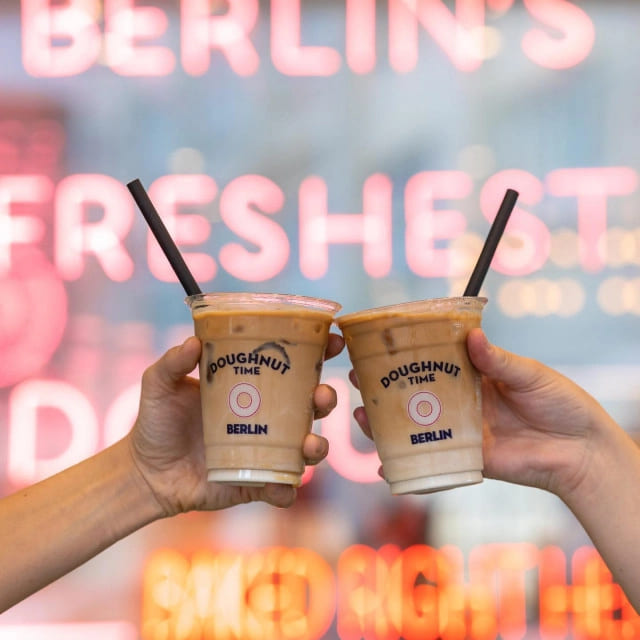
(424, 408)
(244, 400)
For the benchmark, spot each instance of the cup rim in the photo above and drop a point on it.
(436, 305)
(246, 301)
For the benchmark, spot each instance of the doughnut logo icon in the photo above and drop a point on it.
(424, 408)
(244, 400)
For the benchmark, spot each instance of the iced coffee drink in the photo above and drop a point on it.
(261, 361)
(421, 393)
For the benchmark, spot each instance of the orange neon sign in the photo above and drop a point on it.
(419, 593)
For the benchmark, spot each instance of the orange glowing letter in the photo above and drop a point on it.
(497, 596)
(554, 595)
(290, 593)
(599, 606)
(369, 605)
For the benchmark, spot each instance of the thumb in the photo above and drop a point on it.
(177, 362)
(515, 371)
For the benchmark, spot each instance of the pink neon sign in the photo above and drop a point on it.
(249, 207)
(67, 39)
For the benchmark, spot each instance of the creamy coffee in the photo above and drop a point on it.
(261, 361)
(420, 391)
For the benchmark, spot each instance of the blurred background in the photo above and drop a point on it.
(349, 149)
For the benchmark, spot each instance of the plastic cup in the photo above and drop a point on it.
(262, 357)
(421, 393)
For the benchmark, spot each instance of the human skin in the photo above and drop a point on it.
(542, 430)
(154, 472)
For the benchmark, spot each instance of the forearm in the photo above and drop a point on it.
(50, 528)
(608, 505)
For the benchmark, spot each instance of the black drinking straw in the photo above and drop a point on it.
(491, 243)
(162, 236)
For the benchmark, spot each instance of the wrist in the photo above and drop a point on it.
(140, 494)
(607, 453)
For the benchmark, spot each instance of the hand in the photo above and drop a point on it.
(361, 418)
(540, 429)
(166, 442)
